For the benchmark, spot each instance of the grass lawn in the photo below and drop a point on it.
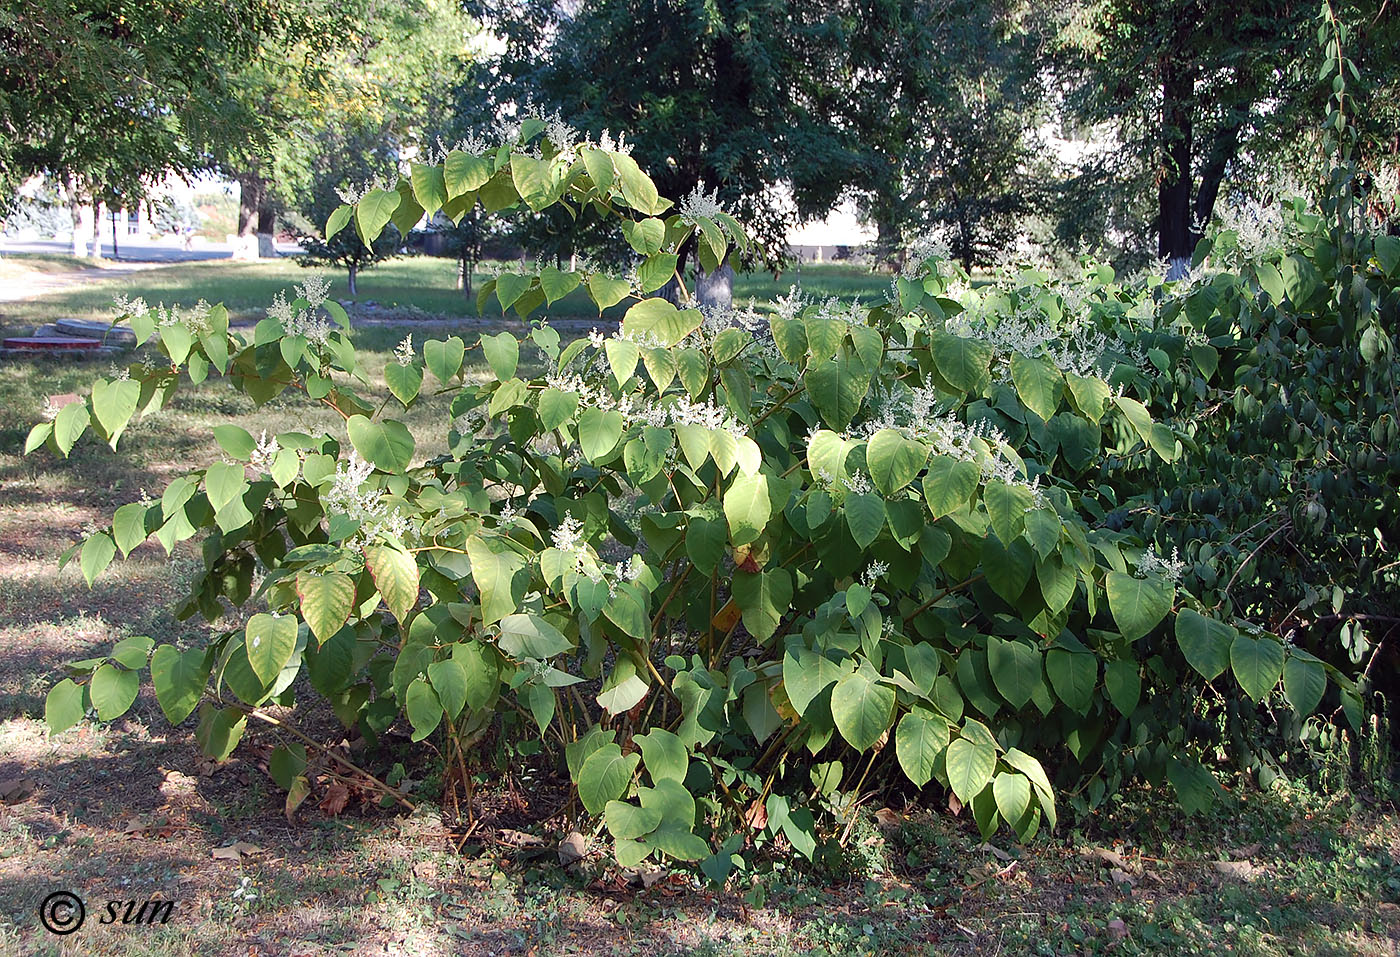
(127, 811)
(407, 287)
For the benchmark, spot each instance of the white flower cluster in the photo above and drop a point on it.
(642, 340)
(315, 291)
(475, 144)
(634, 281)
(348, 497)
(931, 246)
(915, 415)
(1194, 278)
(607, 144)
(1259, 227)
(851, 312)
(1074, 345)
(631, 569)
(1082, 350)
(505, 131)
(118, 374)
(280, 309)
(568, 535)
(196, 319)
(435, 153)
(1153, 564)
(1025, 331)
(717, 318)
(403, 352)
(960, 291)
(563, 137)
(699, 204)
(638, 409)
(352, 193)
(1010, 263)
(1074, 297)
(264, 453)
(308, 324)
(131, 307)
(790, 305)
(874, 573)
(858, 483)
(568, 538)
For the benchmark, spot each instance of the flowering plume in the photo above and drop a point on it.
(348, 496)
(698, 204)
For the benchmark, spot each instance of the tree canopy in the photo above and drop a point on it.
(735, 97)
(117, 94)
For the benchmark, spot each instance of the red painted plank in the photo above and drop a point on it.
(50, 343)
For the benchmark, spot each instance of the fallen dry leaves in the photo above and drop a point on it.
(337, 796)
(16, 790)
(236, 851)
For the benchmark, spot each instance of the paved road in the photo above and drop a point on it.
(138, 252)
(134, 257)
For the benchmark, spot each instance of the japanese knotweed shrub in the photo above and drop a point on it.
(731, 570)
(1276, 363)
(1276, 493)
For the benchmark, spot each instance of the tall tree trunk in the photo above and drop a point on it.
(354, 270)
(466, 265)
(888, 244)
(75, 212)
(715, 289)
(96, 251)
(965, 243)
(251, 192)
(1174, 236)
(1222, 151)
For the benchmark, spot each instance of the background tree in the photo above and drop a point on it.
(108, 98)
(947, 140)
(361, 159)
(342, 69)
(944, 137)
(1188, 87)
(1373, 115)
(784, 108)
(729, 96)
(458, 113)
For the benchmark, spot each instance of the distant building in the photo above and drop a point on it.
(86, 224)
(832, 239)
